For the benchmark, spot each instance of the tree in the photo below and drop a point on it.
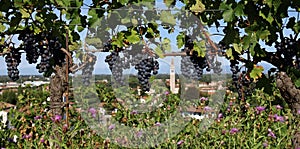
(251, 28)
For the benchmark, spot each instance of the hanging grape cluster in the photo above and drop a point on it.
(145, 64)
(145, 67)
(115, 65)
(30, 46)
(241, 81)
(192, 65)
(13, 59)
(87, 71)
(288, 48)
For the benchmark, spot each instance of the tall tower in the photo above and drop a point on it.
(172, 77)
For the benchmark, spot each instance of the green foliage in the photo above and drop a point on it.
(9, 96)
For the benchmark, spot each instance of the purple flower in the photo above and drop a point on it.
(265, 144)
(220, 115)
(93, 111)
(167, 92)
(298, 112)
(203, 99)
(27, 136)
(259, 109)
(111, 127)
(133, 112)
(180, 142)
(42, 140)
(233, 130)
(271, 134)
(207, 108)
(37, 117)
(278, 118)
(139, 134)
(56, 118)
(278, 107)
(158, 124)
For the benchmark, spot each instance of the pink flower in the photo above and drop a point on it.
(180, 142)
(278, 118)
(233, 131)
(111, 127)
(37, 117)
(271, 133)
(265, 144)
(203, 99)
(278, 107)
(158, 124)
(207, 108)
(220, 116)
(259, 109)
(56, 118)
(134, 112)
(93, 111)
(42, 140)
(139, 134)
(167, 93)
(65, 127)
(298, 112)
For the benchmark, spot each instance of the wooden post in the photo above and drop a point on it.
(67, 79)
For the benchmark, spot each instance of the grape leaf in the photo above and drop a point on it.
(237, 48)
(198, 7)
(263, 34)
(167, 17)
(24, 13)
(159, 52)
(239, 10)
(2, 27)
(166, 44)
(200, 48)
(229, 54)
(297, 83)
(123, 2)
(180, 39)
(134, 37)
(256, 72)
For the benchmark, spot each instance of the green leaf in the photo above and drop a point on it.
(24, 13)
(125, 20)
(199, 7)
(263, 34)
(180, 39)
(94, 16)
(239, 10)
(167, 17)
(80, 28)
(123, 2)
(134, 37)
(166, 44)
(297, 83)
(269, 18)
(228, 15)
(256, 72)
(2, 28)
(237, 48)
(229, 53)
(159, 52)
(200, 48)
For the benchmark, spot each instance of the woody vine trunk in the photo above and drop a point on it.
(292, 96)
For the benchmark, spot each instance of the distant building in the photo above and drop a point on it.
(172, 82)
(12, 84)
(34, 83)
